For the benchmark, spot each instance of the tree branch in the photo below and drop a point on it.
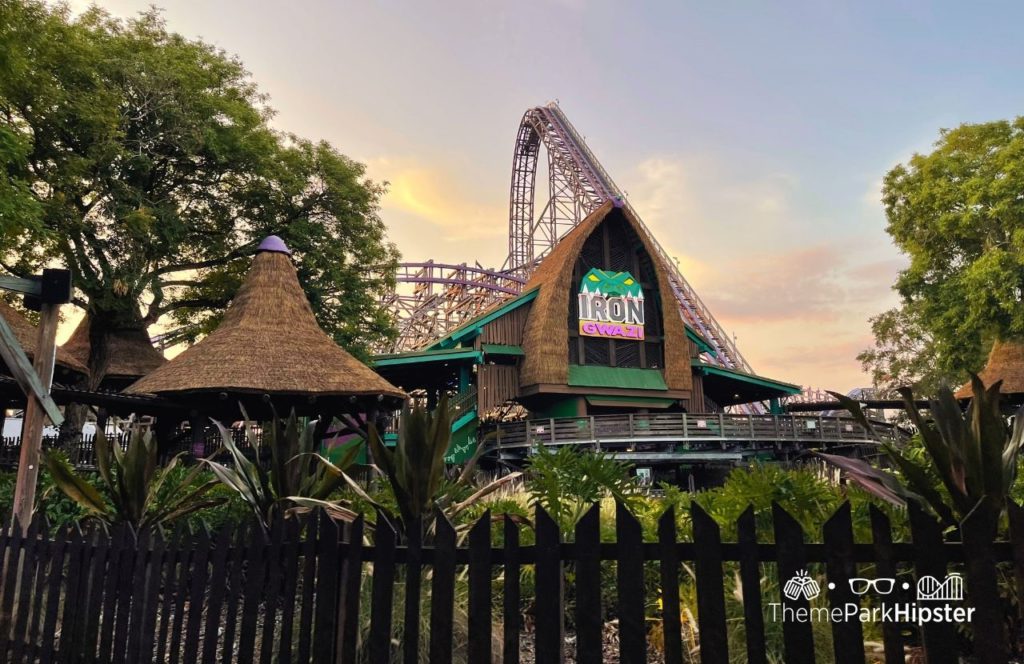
(244, 250)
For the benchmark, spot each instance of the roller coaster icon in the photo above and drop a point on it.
(931, 589)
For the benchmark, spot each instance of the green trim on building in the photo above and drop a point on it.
(702, 343)
(423, 356)
(501, 349)
(472, 328)
(464, 419)
(760, 381)
(616, 377)
(638, 402)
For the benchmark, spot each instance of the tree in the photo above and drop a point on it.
(958, 214)
(146, 163)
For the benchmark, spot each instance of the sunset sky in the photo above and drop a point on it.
(751, 137)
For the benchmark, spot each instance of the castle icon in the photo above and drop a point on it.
(929, 588)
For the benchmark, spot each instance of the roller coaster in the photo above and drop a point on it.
(432, 299)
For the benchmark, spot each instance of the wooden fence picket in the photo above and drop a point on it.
(630, 581)
(707, 543)
(479, 608)
(218, 589)
(939, 637)
(797, 636)
(197, 591)
(442, 591)
(306, 602)
(668, 559)
(255, 571)
(510, 600)
(589, 614)
(413, 588)
(847, 634)
(382, 592)
(750, 585)
(273, 591)
(982, 584)
(326, 592)
(348, 596)
(885, 566)
(548, 605)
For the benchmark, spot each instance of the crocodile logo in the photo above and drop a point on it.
(611, 305)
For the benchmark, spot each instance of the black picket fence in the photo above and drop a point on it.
(313, 590)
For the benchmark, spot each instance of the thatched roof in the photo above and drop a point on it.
(1005, 363)
(27, 335)
(130, 352)
(268, 343)
(546, 338)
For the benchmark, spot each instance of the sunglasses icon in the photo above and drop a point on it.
(861, 586)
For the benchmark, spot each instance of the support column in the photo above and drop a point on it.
(32, 427)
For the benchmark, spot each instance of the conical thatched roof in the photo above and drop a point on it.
(131, 354)
(1005, 363)
(27, 335)
(546, 337)
(268, 343)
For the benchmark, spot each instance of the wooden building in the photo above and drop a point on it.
(596, 333)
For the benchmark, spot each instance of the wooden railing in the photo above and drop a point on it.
(691, 428)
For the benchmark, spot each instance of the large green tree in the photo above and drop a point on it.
(958, 214)
(147, 163)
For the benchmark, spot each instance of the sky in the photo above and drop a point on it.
(751, 137)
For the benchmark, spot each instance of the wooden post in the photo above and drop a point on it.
(32, 427)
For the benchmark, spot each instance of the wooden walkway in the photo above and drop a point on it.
(680, 433)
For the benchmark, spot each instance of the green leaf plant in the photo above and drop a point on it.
(973, 454)
(415, 469)
(135, 491)
(298, 477)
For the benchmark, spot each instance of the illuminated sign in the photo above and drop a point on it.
(611, 305)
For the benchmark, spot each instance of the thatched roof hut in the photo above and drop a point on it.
(269, 343)
(130, 354)
(1005, 363)
(546, 336)
(27, 336)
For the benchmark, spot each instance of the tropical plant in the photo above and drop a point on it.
(974, 454)
(135, 490)
(566, 482)
(415, 469)
(298, 476)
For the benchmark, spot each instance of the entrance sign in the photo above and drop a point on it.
(611, 305)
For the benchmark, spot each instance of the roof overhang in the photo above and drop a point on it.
(473, 327)
(428, 357)
(728, 387)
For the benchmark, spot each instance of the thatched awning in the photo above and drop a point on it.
(27, 335)
(546, 338)
(1005, 363)
(130, 353)
(268, 343)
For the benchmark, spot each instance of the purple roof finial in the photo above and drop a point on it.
(617, 201)
(275, 244)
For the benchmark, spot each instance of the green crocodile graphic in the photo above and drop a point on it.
(610, 284)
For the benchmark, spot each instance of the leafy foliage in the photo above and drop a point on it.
(958, 215)
(415, 469)
(146, 163)
(974, 455)
(298, 476)
(567, 481)
(134, 490)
